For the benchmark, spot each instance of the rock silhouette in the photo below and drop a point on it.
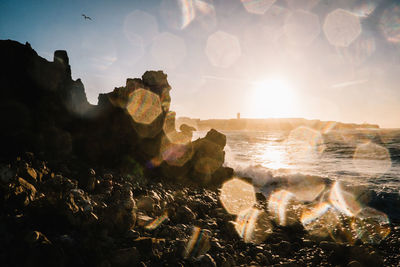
(44, 111)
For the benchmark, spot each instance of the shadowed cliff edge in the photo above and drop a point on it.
(131, 129)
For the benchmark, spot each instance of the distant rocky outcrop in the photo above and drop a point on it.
(285, 124)
(44, 111)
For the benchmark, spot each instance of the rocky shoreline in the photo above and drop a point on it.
(47, 219)
(115, 184)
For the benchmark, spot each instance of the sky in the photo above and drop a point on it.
(316, 59)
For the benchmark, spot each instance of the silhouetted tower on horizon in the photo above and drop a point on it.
(238, 116)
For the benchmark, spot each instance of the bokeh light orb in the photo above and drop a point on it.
(304, 142)
(390, 23)
(365, 8)
(222, 49)
(257, 6)
(177, 14)
(306, 188)
(371, 226)
(319, 220)
(359, 51)
(175, 154)
(253, 225)
(144, 106)
(283, 207)
(302, 4)
(198, 244)
(237, 195)
(168, 50)
(302, 27)
(341, 27)
(344, 201)
(140, 27)
(372, 159)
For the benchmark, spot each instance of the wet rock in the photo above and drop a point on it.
(354, 264)
(185, 215)
(7, 173)
(206, 261)
(216, 137)
(125, 257)
(145, 203)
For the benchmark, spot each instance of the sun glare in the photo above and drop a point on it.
(272, 98)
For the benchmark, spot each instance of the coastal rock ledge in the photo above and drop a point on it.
(131, 129)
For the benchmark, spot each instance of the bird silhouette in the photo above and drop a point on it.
(86, 17)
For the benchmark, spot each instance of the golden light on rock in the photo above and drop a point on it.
(175, 154)
(144, 106)
(371, 226)
(343, 200)
(253, 225)
(283, 207)
(306, 188)
(319, 220)
(237, 195)
(198, 244)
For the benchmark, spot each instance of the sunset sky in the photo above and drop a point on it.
(317, 59)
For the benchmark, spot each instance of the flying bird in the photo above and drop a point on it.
(86, 17)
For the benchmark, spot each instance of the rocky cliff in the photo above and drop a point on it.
(132, 129)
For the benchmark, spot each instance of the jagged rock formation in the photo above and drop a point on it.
(44, 111)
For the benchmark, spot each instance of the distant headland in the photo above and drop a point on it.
(239, 124)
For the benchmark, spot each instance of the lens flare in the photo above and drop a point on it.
(344, 201)
(283, 207)
(198, 244)
(140, 28)
(341, 27)
(257, 6)
(365, 8)
(168, 50)
(302, 27)
(390, 23)
(372, 159)
(222, 49)
(304, 143)
(359, 51)
(179, 138)
(175, 154)
(306, 188)
(237, 195)
(144, 106)
(253, 225)
(177, 14)
(302, 4)
(371, 226)
(320, 220)
(157, 222)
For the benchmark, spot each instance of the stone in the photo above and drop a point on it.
(216, 137)
(125, 257)
(207, 261)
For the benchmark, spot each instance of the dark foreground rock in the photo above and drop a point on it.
(125, 221)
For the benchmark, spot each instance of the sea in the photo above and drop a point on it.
(362, 158)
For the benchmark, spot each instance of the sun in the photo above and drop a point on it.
(272, 98)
